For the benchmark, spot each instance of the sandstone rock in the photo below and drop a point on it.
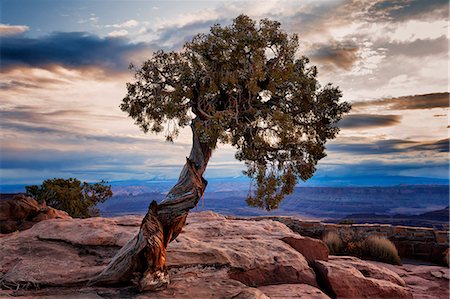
(291, 291)
(90, 231)
(311, 249)
(368, 269)
(345, 281)
(252, 250)
(61, 251)
(419, 280)
(50, 213)
(204, 262)
(19, 208)
(21, 213)
(193, 282)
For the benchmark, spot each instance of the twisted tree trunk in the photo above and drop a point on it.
(143, 259)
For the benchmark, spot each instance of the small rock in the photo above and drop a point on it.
(437, 274)
(291, 291)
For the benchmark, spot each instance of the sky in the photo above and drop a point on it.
(64, 68)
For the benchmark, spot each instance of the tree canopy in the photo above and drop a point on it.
(71, 195)
(250, 88)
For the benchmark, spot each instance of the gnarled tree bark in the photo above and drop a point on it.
(143, 259)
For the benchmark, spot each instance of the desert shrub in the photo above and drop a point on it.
(351, 242)
(333, 242)
(381, 249)
(347, 221)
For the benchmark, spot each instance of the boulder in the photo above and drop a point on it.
(369, 269)
(342, 280)
(253, 250)
(19, 208)
(22, 212)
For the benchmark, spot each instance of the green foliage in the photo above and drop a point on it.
(345, 242)
(333, 242)
(249, 89)
(381, 249)
(71, 195)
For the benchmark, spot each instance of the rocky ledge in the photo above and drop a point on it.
(213, 257)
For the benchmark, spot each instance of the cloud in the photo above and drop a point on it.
(412, 102)
(418, 47)
(390, 146)
(368, 121)
(380, 172)
(71, 49)
(401, 10)
(13, 84)
(439, 146)
(7, 30)
(340, 54)
(174, 36)
(53, 159)
(127, 24)
(118, 33)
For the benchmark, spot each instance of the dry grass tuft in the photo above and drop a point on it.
(333, 242)
(345, 242)
(381, 249)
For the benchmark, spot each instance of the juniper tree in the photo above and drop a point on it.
(244, 85)
(78, 199)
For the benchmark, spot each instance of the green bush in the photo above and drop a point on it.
(381, 249)
(77, 198)
(333, 242)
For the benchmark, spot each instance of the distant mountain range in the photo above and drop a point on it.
(438, 219)
(335, 202)
(306, 202)
(157, 184)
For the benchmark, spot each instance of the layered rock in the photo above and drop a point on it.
(212, 258)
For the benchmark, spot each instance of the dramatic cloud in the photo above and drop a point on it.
(6, 30)
(368, 121)
(61, 92)
(341, 55)
(401, 10)
(440, 146)
(424, 101)
(73, 49)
